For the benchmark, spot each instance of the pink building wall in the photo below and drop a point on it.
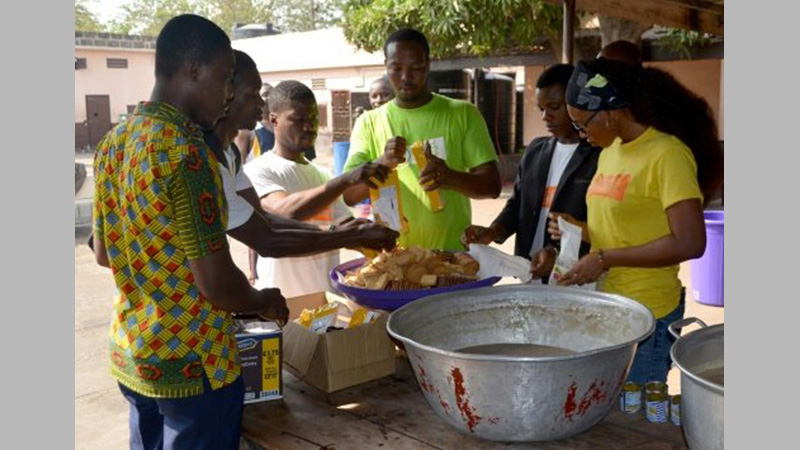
(123, 86)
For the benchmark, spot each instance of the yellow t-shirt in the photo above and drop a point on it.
(627, 200)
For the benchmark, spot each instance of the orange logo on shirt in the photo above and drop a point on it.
(611, 186)
(549, 195)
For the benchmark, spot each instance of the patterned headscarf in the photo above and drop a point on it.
(591, 91)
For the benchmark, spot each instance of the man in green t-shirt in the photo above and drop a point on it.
(462, 163)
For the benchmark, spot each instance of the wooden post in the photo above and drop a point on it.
(568, 38)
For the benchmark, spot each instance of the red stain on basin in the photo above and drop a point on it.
(570, 405)
(445, 405)
(427, 386)
(423, 379)
(462, 401)
(594, 395)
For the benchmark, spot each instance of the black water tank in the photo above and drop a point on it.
(241, 31)
(451, 83)
(519, 145)
(497, 101)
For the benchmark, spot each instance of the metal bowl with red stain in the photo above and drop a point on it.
(557, 361)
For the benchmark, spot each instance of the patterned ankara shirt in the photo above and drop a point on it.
(158, 203)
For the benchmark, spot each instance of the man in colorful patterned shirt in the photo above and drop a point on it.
(160, 220)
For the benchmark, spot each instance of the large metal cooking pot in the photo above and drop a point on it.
(700, 355)
(521, 398)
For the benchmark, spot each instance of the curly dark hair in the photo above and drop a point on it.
(660, 101)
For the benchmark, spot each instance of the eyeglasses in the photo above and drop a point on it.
(582, 128)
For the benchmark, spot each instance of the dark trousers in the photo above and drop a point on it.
(210, 421)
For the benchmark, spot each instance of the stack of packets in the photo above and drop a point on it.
(358, 352)
(327, 318)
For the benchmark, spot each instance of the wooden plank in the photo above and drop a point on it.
(396, 406)
(691, 15)
(304, 422)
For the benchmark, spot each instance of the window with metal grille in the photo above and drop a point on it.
(80, 63)
(318, 83)
(117, 63)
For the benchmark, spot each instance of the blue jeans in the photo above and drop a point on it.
(209, 421)
(652, 361)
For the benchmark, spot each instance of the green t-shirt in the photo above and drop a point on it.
(457, 133)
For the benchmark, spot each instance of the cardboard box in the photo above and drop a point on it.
(261, 357)
(341, 358)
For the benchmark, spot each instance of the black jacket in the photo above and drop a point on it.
(521, 213)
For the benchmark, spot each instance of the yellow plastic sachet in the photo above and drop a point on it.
(418, 151)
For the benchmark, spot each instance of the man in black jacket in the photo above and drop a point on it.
(553, 176)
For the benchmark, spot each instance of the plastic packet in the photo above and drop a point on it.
(319, 319)
(418, 150)
(493, 262)
(386, 205)
(362, 316)
(571, 236)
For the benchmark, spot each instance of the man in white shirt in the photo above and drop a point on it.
(553, 176)
(269, 234)
(290, 186)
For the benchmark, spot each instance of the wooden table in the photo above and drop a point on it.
(391, 413)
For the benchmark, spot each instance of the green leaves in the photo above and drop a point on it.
(84, 19)
(147, 17)
(454, 27)
(681, 41)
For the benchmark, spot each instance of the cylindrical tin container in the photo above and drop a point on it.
(655, 386)
(675, 410)
(630, 399)
(657, 407)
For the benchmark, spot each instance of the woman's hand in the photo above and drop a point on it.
(585, 271)
(555, 232)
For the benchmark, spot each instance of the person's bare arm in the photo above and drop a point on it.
(305, 204)
(257, 234)
(394, 153)
(355, 195)
(252, 260)
(226, 287)
(687, 240)
(482, 181)
(275, 221)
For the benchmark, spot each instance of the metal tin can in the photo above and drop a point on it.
(675, 410)
(657, 407)
(630, 399)
(655, 386)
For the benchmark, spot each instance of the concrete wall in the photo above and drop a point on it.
(123, 86)
(703, 77)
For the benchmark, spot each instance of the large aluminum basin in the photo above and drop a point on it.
(702, 398)
(521, 398)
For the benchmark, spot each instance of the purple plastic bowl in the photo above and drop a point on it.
(391, 300)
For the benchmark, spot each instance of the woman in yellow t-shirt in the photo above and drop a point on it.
(661, 157)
